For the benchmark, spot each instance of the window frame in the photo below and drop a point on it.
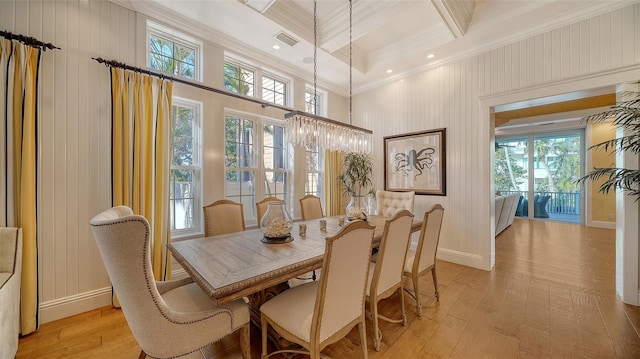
(242, 66)
(285, 83)
(196, 166)
(179, 38)
(258, 167)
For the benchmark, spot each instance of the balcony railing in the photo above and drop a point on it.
(558, 202)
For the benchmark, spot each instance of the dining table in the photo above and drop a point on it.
(240, 265)
(235, 265)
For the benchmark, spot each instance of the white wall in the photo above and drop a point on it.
(593, 53)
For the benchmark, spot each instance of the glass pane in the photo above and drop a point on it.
(182, 131)
(556, 170)
(182, 199)
(511, 170)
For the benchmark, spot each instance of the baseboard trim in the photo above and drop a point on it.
(463, 258)
(602, 224)
(75, 304)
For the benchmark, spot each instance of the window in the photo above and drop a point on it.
(173, 53)
(246, 178)
(184, 194)
(308, 102)
(314, 184)
(238, 79)
(274, 90)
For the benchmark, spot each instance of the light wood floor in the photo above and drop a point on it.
(550, 295)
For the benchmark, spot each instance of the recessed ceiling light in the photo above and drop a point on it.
(430, 56)
(389, 71)
(276, 47)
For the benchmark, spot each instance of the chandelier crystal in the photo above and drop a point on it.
(306, 129)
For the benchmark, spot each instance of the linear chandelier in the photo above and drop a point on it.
(307, 129)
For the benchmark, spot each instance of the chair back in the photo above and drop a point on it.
(222, 217)
(123, 241)
(392, 252)
(311, 207)
(341, 294)
(429, 238)
(261, 207)
(389, 203)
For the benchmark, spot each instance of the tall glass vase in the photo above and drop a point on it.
(276, 223)
(357, 208)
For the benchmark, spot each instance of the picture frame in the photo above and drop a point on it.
(416, 162)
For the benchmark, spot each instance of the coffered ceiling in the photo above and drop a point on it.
(390, 38)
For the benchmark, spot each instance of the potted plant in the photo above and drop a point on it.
(357, 170)
(626, 116)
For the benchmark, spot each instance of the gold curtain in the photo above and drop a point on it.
(18, 103)
(334, 198)
(141, 127)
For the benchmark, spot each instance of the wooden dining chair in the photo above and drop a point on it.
(261, 207)
(311, 207)
(388, 203)
(385, 275)
(317, 314)
(223, 216)
(422, 259)
(169, 319)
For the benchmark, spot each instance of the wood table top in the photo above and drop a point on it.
(234, 265)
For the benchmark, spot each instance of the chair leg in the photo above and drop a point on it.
(263, 325)
(377, 334)
(142, 355)
(416, 293)
(245, 342)
(435, 282)
(404, 315)
(363, 338)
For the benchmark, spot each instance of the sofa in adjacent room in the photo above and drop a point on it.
(505, 210)
(10, 273)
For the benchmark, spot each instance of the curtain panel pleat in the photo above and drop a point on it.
(19, 67)
(141, 133)
(334, 199)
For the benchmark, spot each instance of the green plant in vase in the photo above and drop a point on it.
(357, 171)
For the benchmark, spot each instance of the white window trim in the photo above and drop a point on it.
(288, 89)
(198, 229)
(179, 37)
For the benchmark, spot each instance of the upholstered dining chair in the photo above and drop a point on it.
(388, 203)
(385, 275)
(320, 313)
(311, 207)
(222, 217)
(169, 319)
(422, 258)
(261, 207)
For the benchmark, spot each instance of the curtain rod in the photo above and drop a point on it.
(291, 112)
(113, 63)
(30, 41)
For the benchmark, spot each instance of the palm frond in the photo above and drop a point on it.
(616, 178)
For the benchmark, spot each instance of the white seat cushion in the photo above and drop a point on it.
(408, 264)
(190, 299)
(293, 309)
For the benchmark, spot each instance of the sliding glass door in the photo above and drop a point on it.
(544, 173)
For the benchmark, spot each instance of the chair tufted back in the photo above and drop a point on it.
(389, 203)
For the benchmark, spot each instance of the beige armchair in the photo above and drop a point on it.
(317, 314)
(222, 217)
(385, 275)
(10, 273)
(170, 319)
(311, 207)
(422, 259)
(388, 203)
